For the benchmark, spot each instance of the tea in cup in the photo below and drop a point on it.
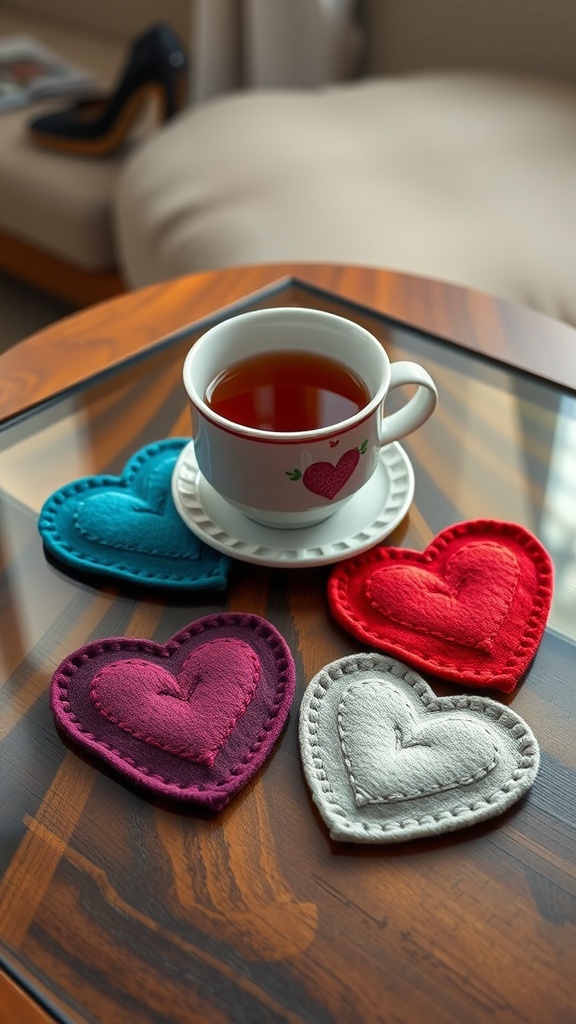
(288, 411)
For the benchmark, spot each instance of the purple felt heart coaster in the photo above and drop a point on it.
(192, 719)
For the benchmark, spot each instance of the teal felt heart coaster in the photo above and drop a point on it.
(386, 760)
(127, 527)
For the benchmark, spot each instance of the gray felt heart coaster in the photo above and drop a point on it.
(386, 760)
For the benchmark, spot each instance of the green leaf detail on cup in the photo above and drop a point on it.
(326, 479)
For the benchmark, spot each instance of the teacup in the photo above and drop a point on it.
(297, 477)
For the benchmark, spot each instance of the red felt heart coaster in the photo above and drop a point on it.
(192, 719)
(471, 608)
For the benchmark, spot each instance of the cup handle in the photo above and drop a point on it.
(417, 410)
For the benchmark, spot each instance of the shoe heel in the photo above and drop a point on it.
(175, 89)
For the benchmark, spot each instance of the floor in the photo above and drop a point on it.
(24, 310)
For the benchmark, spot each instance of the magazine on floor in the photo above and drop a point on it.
(30, 70)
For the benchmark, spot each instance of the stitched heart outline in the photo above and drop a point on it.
(190, 713)
(124, 521)
(391, 756)
(447, 606)
(128, 528)
(482, 632)
(359, 719)
(226, 684)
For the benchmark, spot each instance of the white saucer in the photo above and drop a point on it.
(370, 515)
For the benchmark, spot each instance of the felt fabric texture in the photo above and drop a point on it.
(471, 608)
(128, 528)
(192, 719)
(388, 761)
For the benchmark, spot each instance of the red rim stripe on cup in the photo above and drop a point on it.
(266, 473)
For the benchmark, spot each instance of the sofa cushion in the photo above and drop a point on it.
(463, 176)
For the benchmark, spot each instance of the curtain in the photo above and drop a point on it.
(272, 43)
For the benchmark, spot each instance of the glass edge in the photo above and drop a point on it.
(475, 353)
(245, 303)
(165, 341)
(15, 971)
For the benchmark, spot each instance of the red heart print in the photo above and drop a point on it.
(193, 719)
(471, 608)
(325, 479)
(190, 714)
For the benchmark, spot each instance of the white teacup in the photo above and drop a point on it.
(298, 478)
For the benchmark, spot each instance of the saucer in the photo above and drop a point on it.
(368, 517)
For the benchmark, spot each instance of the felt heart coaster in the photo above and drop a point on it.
(471, 608)
(192, 719)
(386, 760)
(127, 527)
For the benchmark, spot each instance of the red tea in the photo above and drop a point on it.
(287, 391)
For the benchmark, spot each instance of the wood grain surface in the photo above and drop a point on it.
(79, 345)
(118, 908)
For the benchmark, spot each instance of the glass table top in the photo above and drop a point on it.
(110, 900)
(501, 445)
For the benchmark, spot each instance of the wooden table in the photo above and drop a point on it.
(119, 908)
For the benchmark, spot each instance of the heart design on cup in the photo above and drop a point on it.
(327, 479)
(388, 761)
(127, 527)
(192, 719)
(471, 608)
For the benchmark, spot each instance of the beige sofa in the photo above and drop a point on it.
(454, 156)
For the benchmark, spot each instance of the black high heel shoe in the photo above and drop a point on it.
(97, 127)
